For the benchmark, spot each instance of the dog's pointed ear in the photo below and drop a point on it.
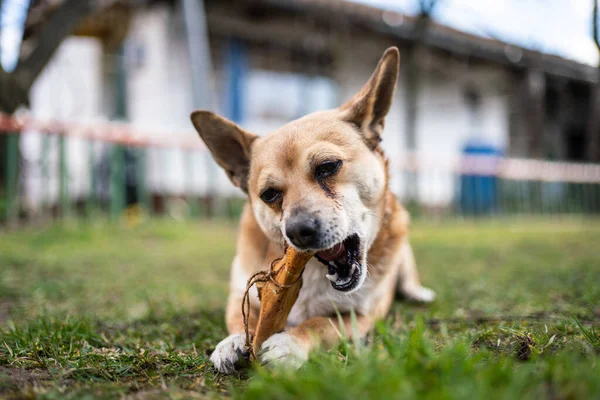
(368, 108)
(229, 144)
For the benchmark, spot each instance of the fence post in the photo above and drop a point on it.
(64, 176)
(117, 151)
(91, 200)
(117, 181)
(189, 173)
(12, 168)
(45, 193)
(142, 187)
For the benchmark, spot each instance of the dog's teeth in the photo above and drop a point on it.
(352, 268)
(345, 281)
(332, 277)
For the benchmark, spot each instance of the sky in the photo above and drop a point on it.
(11, 30)
(560, 27)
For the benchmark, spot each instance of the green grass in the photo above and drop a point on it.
(102, 311)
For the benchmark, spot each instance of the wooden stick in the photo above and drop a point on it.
(278, 295)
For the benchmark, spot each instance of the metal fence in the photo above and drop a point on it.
(475, 186)
(75, 170)
(79, 170)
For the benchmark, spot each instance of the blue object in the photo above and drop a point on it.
(479, 193)
(236, 71)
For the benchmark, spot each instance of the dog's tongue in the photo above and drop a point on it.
(333, 253)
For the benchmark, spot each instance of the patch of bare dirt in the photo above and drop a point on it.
(5, 307)
(15, 379)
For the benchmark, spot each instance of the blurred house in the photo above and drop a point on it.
(275, 60)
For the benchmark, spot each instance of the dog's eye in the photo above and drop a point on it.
(270, 195)
(326, 169)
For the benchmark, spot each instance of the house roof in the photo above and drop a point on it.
(438, 36)
(400, 27)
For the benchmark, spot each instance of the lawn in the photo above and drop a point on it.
(103, 311)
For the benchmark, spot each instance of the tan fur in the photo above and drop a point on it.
(357, 200)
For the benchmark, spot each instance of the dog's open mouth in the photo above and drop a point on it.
(343, 266)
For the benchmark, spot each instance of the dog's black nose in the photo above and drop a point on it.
(302, 231)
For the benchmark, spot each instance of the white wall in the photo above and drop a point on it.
(159, 95)
(160, 99)
(69, 88)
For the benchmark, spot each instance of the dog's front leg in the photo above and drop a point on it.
(230, 351)
(292, 347)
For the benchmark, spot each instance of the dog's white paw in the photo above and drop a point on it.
(419, 293)
(228, 352)
(283, 350)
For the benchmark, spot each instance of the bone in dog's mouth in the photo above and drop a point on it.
(343, 266)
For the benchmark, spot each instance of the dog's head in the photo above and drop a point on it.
(317, 182)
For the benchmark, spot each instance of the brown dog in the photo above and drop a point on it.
(319, 183)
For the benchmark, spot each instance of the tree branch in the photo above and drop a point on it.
(60, 25)
(14, 87)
